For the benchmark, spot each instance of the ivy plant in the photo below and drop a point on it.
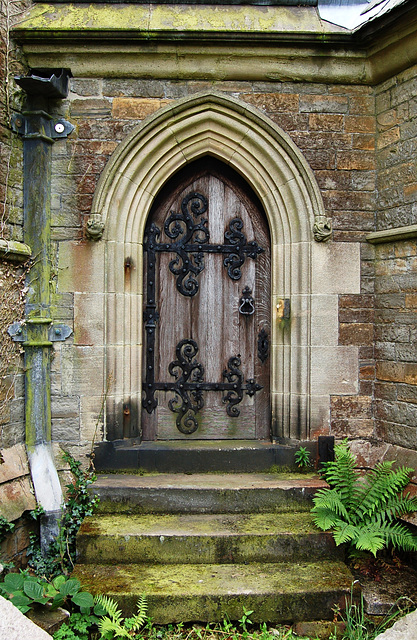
(5, 527)
(363, 509)
(79, 504)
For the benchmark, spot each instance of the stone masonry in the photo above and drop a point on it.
(360, 143)
(335, 128)
(396, 263)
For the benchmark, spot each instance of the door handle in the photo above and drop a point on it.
(247, 303)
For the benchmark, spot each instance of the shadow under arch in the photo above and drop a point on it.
(213, 124)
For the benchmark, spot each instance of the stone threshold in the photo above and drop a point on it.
(198, 456)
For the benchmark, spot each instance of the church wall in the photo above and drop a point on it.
(333, 126)
(361, 145)
(396, 262)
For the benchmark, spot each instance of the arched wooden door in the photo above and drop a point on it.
(206, 309)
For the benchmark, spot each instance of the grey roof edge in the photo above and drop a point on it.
(391, 14)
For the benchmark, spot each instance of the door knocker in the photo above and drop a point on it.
(246, 303)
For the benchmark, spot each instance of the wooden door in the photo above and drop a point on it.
(206, 309)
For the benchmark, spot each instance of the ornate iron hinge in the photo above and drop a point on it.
(189, 384)
(190, 241)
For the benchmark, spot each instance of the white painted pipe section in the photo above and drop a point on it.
(45, 478)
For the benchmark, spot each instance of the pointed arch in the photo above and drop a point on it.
(211, 123)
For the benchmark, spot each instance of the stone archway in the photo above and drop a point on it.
(216, 125)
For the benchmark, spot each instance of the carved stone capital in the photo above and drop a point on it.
(95, 227)
(322, 229)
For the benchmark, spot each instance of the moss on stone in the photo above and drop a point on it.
(175, 18)
(276, 592)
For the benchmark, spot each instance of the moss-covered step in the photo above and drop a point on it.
(284, 592)
(206, 493)
(203, 538)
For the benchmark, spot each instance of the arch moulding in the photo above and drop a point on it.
(238, 135)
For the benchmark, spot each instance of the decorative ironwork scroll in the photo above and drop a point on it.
(189, 384)
(190, 241)
(187, 237)
(187, 400)
(238, 248)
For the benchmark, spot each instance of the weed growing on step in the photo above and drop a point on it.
(359, 626)
(302, 458)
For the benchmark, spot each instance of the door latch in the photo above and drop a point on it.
(247, 303)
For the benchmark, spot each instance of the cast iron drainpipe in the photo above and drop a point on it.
(37, 333)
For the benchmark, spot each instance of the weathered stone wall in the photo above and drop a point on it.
(396, 263)
(12, 427)
(11, 63)
(334, 127)
(16, 498)
(11, 219)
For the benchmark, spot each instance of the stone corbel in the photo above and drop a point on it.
(322, 229)
(94, 228)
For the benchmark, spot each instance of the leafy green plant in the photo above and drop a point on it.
(302, 458)
(223, 630)
(112, 625)
(77, 627)
(5, 527)
(25, 591)
(245, 620)
(79, 504)
(362, 510)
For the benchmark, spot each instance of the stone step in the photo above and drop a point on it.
(276, 592)
(203, 538)
(197, 456)
(206, 493)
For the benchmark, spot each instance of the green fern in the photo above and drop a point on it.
(362, 510)
(113, 625)
(140, 618)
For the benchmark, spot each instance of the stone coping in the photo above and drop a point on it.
(393, 235)
(14, 251)
(231, 42)
(137, 19)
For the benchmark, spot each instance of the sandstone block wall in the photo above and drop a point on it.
(396, 263)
